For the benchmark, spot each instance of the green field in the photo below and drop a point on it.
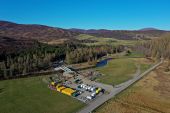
(117, 71)
(122, 69)
(134, 54)
(103, 41)
(32, 95)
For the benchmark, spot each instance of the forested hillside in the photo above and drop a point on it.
(32, 58)
(91, 54)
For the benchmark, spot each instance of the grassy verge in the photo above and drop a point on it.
(31, 95)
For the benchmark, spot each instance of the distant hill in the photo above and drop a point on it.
(89, 30)
(54, 35)
(15, 38)
(36, 32)
(148, 29)
(123, 34)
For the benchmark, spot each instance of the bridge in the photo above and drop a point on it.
(64, 68)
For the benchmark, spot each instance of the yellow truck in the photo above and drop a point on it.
(98, 90)
(68, 91)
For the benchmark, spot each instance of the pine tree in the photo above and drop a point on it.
(68, 58)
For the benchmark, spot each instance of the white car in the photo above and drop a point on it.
(89, 97)
(86, 87)
(83, 86)
(92, 89)
(89, 88)
(93, 94)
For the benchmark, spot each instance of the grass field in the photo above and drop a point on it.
(134, 54)
(116, 71)
(144, 63)
(104, 41)
(122, 69)
(32, 95)
(149, 95)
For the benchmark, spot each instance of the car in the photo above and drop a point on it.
(93, 89)
(89, 88)
(98, 90)
(86, 87)
(89, 97)
(79, 86)
(83, 85)
(80, 92)
(93, 94)
(103, 90)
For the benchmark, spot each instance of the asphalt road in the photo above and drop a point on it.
(116, 90)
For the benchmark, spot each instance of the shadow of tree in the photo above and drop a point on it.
(1, 90)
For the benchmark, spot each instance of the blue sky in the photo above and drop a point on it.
(89, 14)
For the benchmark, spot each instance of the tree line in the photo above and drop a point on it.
(158, 48)
(29, 60)
(90, 54)
(41, 57)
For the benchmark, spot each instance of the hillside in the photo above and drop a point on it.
(9, 45)
(122, 34)
(37, 32)
(54, 35)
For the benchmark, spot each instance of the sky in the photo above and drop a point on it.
(89, 14)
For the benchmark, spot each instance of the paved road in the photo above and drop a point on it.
(116, 90)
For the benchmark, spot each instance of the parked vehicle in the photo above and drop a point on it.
(89, 97)
(93, 94)
(98, 90)
(89, 88)
(92, 89)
